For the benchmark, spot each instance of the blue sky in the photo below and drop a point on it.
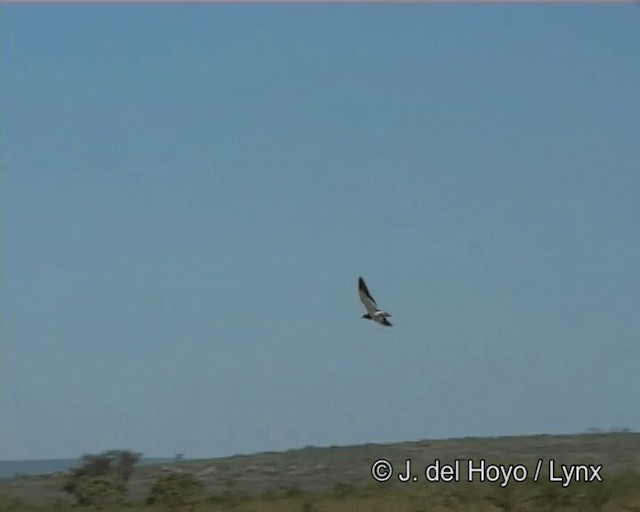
(189, 195)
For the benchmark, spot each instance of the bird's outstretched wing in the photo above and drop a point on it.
(366, 298)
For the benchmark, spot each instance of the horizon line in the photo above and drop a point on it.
(588, 432)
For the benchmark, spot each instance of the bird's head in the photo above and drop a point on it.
(367, 316)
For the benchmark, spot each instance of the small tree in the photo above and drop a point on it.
(94, 465)
(102, 479)
(123, 463)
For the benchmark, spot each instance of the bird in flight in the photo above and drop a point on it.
(373, 313)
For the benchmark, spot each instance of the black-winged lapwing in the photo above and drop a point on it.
(373, 313)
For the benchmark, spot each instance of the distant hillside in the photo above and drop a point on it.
(301, 479)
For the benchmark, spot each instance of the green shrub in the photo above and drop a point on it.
(176, 489)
